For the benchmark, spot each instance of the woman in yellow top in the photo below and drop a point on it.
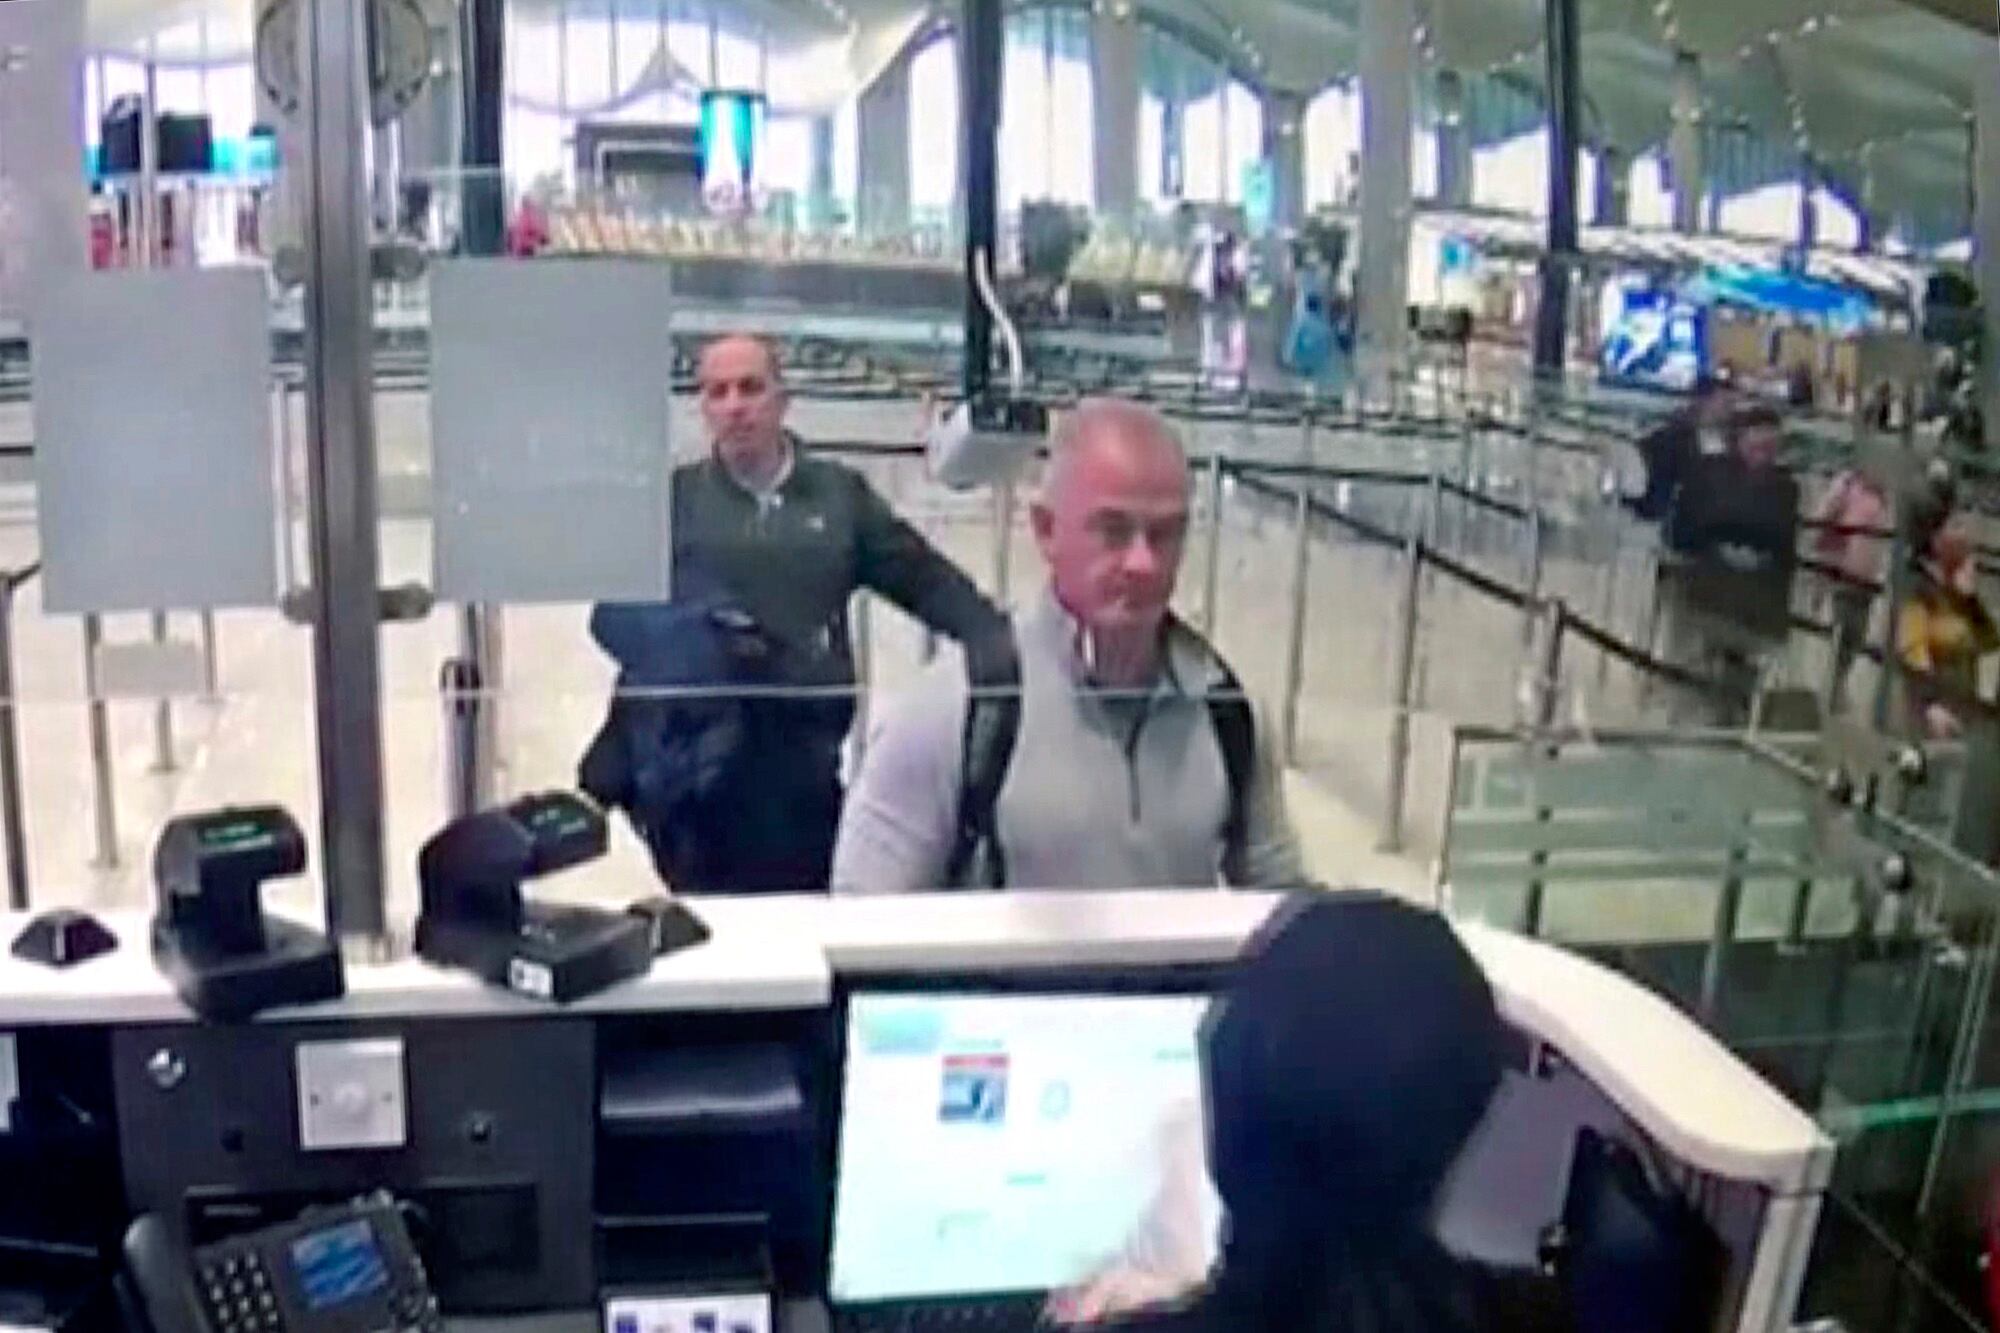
(1944, 629)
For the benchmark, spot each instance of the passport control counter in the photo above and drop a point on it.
(829, 1104)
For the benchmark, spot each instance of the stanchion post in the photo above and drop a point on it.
(1211, 565)
(1003, 541)
(287, 557)
(1548, 664)
(16, 826)
(163, 710)
(1403, 679)
(99, 725)
(1295, 644)
(864, 671)
(211, 670)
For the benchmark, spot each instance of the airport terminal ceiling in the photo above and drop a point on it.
(1878, 92)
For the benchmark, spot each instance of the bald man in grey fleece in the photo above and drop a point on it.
(1118, 776)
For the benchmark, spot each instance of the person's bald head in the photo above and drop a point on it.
(1112, 516)
(743, 401)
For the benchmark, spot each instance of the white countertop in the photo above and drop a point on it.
(741, 968)
(1657, 1065)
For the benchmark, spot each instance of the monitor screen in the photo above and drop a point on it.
(732, 138)
(1652, 336)
(339, 1264)
(1017, 1143)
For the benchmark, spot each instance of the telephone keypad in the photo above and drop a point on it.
(237, 1292)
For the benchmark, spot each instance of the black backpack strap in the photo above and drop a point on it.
(1235, 724)
(992, 724)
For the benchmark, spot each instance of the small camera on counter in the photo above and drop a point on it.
(226, 957)
(477, 917)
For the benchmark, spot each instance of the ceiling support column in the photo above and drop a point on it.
(882, 134)
(1684, 143)
(1388, 62)
(1114, 110)
(1559, 255)
(1454, 142)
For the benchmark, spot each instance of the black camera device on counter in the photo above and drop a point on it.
(476, 917)
(211, 936)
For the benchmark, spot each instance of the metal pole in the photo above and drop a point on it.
(99, 720)
(1402, 681)
(1532, 571)
(1561, 30)
(163, 710)
(1295, 650)
(343, 518)
(1548, 665)
(981, 39)
(211, 671)
(1003, 541)
(1964, 1061)
(10, 760)
(1898, 584)
(864, 671)
(469, 742)
(1211, 565)
(287, 556)
(1728, 904)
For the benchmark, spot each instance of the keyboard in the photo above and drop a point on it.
(1020, 1313)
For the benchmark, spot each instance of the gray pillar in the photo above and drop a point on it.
(1684, 142)
(1454, 142)
(1388, 61)
(41, 145)
(1285, 147)
(1114, 110)
(1808, 205)
(1612, 206)
(1986, 223)
(882, 127)
(819, 175)
(1870, 210)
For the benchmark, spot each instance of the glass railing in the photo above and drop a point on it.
(1772, 891)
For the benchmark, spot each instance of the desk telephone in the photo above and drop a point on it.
(345, 1269)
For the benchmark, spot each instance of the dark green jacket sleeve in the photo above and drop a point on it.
(893, 559)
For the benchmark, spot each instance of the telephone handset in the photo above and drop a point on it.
(345, 1269)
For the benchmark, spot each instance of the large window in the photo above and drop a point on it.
(634, 61)
(1513, 175)
(1333, 151)
(1651, 202)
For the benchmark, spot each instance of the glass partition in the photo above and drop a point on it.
(150, 668)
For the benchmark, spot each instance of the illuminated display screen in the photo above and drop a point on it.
(732, 133)
(338, 1265)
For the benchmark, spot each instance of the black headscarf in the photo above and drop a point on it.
(1345, 1070)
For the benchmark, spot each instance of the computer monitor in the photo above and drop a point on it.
(1016, 1143)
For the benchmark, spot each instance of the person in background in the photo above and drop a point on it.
(1345, 1070)
(1698, 430)
(1849, 517)
(723, 742)
(1731, 539)
(1117, 752)
(1943, 629)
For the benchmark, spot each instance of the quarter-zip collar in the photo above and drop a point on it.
(771, 496)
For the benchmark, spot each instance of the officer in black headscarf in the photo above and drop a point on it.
(1344, 1073)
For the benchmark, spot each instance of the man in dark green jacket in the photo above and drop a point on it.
(782, 540)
